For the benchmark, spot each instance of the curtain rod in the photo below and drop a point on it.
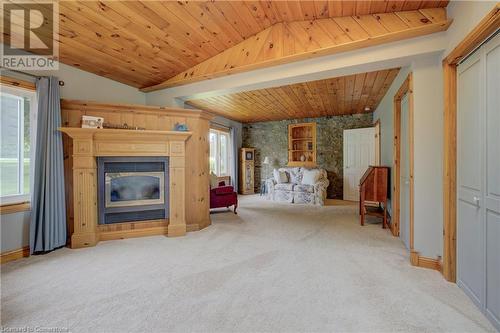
(219, 124)
(61, 83)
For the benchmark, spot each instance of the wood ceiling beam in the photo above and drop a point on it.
(287, 42)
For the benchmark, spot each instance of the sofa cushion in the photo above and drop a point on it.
(295, 175)
(310, 177)
(283, 187)
(303, 188)
(280, 176)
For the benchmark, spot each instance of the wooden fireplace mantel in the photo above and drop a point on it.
(89, 143)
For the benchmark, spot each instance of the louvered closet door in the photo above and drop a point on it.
(478, 178)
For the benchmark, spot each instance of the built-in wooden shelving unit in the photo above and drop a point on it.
(302, 145)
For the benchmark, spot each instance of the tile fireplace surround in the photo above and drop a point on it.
(88, 144)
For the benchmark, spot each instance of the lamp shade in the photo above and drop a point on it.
(266, 160)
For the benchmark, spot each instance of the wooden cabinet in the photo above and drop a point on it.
(302, 145)
(247, 164)
(374, 187)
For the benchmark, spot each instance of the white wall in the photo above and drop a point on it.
(466, 15)
(385, 114)
(428, 156)
(14, 230)
(428, 148)
(83, 85)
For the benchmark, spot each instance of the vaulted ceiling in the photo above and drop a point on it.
(336, 96)
(147, 43)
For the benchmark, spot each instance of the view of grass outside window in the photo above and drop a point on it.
(219, 152)
(15, 145)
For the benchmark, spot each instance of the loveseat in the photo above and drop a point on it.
(298, 185)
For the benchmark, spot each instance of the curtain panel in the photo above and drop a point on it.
(48, 206)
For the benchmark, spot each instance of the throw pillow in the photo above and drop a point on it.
(280, 176)
(295, 175)
(214, 182)
(310, 177)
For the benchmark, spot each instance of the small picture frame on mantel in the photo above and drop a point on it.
(92, 122)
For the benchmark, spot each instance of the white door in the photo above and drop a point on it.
(478, 178)
(405, 174)
(470, 225)
(359, 153)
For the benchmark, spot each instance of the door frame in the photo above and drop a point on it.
(486, 27)
(406, 88)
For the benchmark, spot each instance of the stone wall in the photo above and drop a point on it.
(271, 139)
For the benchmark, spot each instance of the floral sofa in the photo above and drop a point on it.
(287, 186)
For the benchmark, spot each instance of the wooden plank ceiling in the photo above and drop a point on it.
(336, 96)
(145, 43)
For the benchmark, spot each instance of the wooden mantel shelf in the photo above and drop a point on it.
(126, 134)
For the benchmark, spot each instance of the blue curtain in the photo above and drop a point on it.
(234, 169)
(48, 207)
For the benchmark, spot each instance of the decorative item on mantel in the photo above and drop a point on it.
(181, 127)
(92, 122)
(123, 126)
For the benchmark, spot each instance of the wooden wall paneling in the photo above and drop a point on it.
(151, 118)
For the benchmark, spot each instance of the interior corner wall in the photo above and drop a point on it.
(428, 156)
(428, 149)
(385, 113)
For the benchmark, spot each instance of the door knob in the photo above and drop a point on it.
(476, 201)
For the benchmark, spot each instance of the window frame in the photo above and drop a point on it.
(218, 157)
(21, 93)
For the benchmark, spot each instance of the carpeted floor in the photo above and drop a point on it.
(271, 268)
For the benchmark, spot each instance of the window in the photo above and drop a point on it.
(219, 152)
(16, 128)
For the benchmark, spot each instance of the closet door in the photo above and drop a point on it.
(492, 183)
(470, 212)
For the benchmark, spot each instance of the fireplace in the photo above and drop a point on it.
(132, 189)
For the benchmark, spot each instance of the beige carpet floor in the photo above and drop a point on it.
(271, 268)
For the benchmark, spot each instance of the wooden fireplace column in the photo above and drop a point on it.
(88, 144)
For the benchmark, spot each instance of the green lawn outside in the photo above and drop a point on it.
(8, 176)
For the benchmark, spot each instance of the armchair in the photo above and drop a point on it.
(223, 196)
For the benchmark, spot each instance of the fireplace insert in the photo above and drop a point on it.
(132, 189)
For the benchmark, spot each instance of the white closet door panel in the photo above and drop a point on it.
(470, 142)
(492, 200)
(469, 126)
